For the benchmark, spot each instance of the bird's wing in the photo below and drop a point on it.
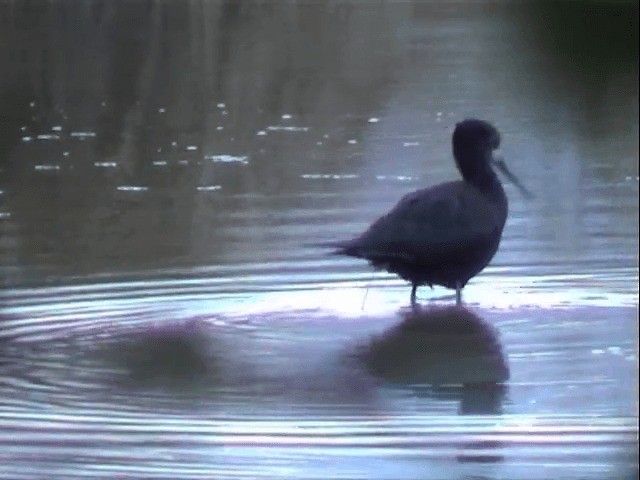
(430, 222)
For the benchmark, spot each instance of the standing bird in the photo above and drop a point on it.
(446, 234)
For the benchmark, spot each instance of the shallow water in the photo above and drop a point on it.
(167, 169)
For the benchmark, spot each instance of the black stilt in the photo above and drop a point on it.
(446, 234)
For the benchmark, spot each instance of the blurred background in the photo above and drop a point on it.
(167, 166)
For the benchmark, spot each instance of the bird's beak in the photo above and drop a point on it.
(499, 162)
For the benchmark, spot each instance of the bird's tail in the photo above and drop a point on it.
(336, 247)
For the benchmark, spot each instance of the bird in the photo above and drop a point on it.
(445, 234)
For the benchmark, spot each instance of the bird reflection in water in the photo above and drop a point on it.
(445, 353)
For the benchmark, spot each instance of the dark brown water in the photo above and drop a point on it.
(166, 167)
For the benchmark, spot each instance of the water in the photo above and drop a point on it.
(166, 168)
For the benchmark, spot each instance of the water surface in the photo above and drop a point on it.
(166, 170)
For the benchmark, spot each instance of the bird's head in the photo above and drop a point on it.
(474, 137)
(473, 144)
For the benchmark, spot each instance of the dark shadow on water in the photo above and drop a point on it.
(447, 354)
(274, 362)
(173, 356)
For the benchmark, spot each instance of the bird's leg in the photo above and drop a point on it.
(458, 294)
(414, 287)
(366, 292)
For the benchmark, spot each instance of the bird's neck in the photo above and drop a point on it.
(475, 168)
(486, 181)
